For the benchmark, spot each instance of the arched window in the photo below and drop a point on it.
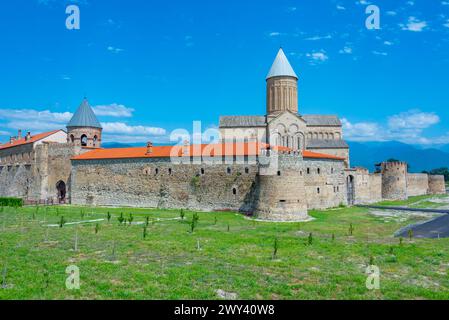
(95, 141)
(318, 190)
(279, 173)
(234, 191)
(318, 170)
(84, 140)
(246, 170)
(308, 170)
(228, 170)
(202, 170)
(169, 171)
(156, 171)
(72, 138)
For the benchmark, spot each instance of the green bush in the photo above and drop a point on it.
(11, 202)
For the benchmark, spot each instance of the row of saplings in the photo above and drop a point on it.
(194, 222)
(122, 220)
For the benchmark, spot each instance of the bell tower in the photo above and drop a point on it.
(84, 129)
(282, 86)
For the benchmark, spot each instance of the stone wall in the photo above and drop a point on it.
(16, 171)
(324, 183)
(151, 182)
(417, 184)
(52, 166)
(437, 184)
(375, 187)
(32, 174)
(367, 188)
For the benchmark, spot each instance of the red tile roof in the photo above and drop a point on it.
(214, 150)
(33, 139)
(316, 155)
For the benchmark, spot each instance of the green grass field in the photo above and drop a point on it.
(225, 251)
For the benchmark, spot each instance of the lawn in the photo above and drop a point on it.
(226, 251)
(424, 201)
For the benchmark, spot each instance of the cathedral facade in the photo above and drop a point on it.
(276, 166)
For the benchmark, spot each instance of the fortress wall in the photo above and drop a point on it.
(327, 188)
(60, 168)
(367, 187)
(437, 184)
(148, 183)
(360, 183)
(15, 180)
(417, 184)
(16, 171)
(375, 187)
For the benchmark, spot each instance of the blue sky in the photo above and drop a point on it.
(150, 67)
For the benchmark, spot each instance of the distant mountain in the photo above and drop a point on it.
(114, 145)
(366, 154)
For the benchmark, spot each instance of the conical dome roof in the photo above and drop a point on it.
(84, 117)
(281, 67)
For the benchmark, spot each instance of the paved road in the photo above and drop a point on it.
(437, 227)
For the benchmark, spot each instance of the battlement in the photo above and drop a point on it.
(394, 165)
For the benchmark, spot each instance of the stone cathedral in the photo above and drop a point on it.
(282, 125)
(274, 166)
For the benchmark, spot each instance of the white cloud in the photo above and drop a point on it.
(291, 9)
(4, 133)
(388, 43)
(24, 114)
(407, 127)
(340, 7)
(346, 50)
(274, 34)
(361, 131)
(413, 119)
(411, 3)
(65, 77)
(445, 3)
(315, 38)
(391, 13)
(446, 24)
(39, 121)
(113, 110)
(363, 2)
(114, 49)
(123, 128)
(317, 57)
(414, 25)
(34, 120)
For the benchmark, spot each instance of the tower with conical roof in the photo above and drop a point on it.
(84, 129)
(282, 86)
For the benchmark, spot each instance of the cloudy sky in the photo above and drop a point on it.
(150, 67)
